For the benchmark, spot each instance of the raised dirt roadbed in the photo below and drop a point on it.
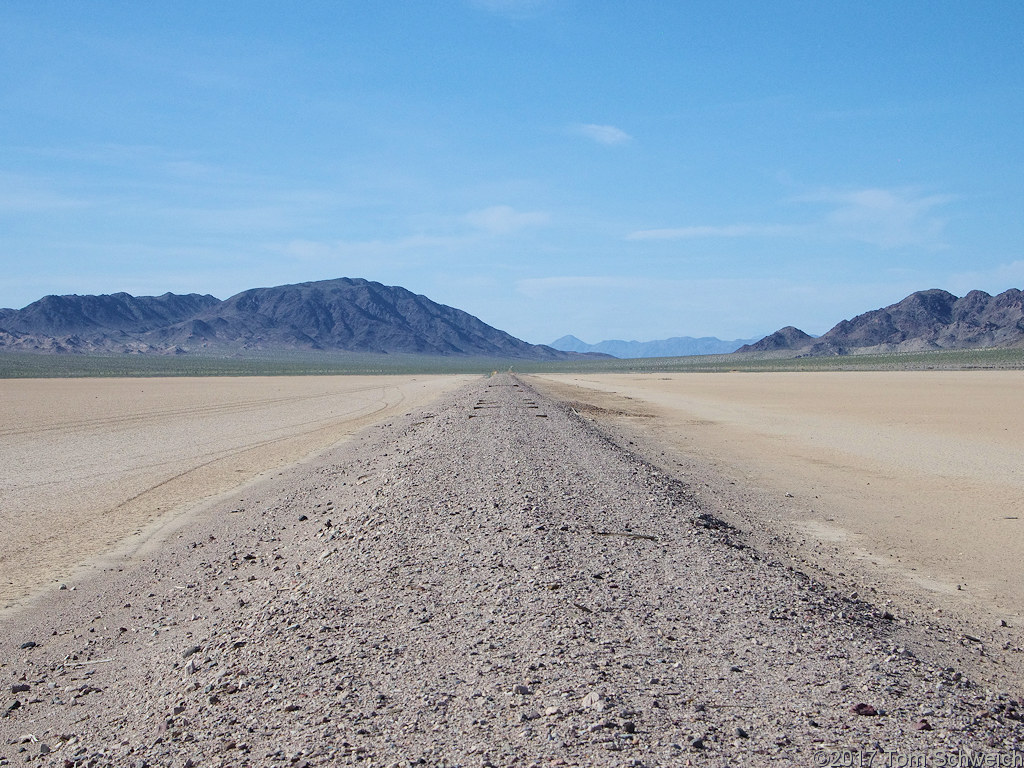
(490, 582)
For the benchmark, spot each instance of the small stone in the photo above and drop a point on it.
(629, 726)
(522, 690)
(593, 700)
(189, 651)
(742, 733)
(20, 688)
(44, 749)
(864, 709)
(697, 743)
(922, 725)
(303, 518)
(29, 644)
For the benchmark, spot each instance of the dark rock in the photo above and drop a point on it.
(190, 651)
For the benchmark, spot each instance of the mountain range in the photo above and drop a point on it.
(355, 315)
(346, 314)
(677, 346)
(925, 320)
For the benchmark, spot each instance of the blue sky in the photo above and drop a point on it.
(607, 169)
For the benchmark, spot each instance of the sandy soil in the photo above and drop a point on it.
(911, 481)
(490, 582)
(87, 465)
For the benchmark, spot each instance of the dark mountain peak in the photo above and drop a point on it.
(359, 315)
(344, 314)
(932, 319)
(788, 338)
(933, 306)
(918, 322)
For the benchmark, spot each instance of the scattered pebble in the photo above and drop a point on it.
(504, 590)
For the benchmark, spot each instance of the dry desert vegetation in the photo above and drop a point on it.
(512, 571)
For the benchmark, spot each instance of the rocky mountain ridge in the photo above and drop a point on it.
(925, 320)
(345, 314)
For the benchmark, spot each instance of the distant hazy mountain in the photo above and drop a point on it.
(331, 315)
(925, 320)
(678, 346)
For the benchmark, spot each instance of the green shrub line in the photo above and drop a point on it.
(29, 365)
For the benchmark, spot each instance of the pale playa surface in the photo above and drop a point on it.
(914, 480)
(85, 463)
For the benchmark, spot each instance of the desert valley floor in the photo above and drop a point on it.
(733, 569)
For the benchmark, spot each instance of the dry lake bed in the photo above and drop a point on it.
(89, 465)
(911, 480)
(512, 571)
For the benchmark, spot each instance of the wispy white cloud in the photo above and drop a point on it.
(995, 279)
(504, 219)
(886, 218)
(732, 230)
(471, 230)
(20, 195)
(37, 201)
(608, 135)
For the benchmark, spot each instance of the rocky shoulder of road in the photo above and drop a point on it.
(491, 582)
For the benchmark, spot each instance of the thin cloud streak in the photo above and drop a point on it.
(888, 218)
(733, 230)
(885, 218)
(609, 135)
(504, 219)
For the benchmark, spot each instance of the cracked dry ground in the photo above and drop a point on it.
(491, 582)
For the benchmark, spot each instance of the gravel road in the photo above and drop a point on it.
(491, 582)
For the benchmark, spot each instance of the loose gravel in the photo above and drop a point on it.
(491, 582)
